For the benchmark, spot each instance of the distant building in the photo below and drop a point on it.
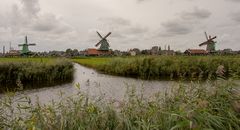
(117, 53)
(154, 50)
(196, 52)
(167, 51)
(134, 52)
(95, 52)
(91, 52)
(13, 53)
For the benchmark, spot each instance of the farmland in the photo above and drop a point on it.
(166, 67)
(18, 72)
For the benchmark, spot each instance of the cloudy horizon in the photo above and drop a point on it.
(59, 25)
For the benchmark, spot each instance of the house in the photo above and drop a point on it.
(95, 52)
(154, 50)
(196, 52)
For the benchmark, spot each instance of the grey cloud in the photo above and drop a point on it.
(175, 28)
(29, 19)
(115, 21)
(31, 7)
(142, 0)
(185, 23)
(45, 23)
(234, 0)
(123, 30)
(236, 16)
(196, 14)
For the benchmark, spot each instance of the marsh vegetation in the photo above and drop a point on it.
(192, 106)
(19, 72)
(166, 67)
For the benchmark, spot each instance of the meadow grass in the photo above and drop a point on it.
(18, 72)
(91, 61)
(166, 67)
(186, 107)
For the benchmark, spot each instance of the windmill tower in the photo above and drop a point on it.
(103, 42)
(25, 50)
(210, 43)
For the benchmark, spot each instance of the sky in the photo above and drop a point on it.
(63, 24)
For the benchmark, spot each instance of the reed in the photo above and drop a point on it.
(191, 106)
(21, 71)
(168, 67)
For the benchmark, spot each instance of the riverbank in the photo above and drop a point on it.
(19, 72)
(193, 106)
(166, 67)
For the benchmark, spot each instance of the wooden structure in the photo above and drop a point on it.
(210, 43)
(196, 52)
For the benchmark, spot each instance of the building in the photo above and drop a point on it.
(95, 52)
(196, 52)
(13, 53)
(154, 50)
(134, 52)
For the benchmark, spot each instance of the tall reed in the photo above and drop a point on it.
(193, 106)
(171, 67)
(20, 73)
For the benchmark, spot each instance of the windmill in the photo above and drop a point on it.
(210, 43)
(25, 50)
(103, 42)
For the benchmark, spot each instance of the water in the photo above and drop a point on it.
(95, 84)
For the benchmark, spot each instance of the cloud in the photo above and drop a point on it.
(123, 30)
(196, 14)
(29, 19)
(114, 21)
(236, 16)
(142, 0)
(234, 0)
(184, 23)
(31, 7)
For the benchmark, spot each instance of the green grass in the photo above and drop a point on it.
(19, 72)
(92, 62)
(188, 107)
(166, 67)
(43, 60)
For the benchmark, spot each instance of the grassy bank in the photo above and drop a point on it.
(167, 67)
(92, 62)
(194, 107)
(21, 71)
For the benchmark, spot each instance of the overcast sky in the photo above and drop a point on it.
(62, 24)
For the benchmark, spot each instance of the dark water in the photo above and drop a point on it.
(95, 84)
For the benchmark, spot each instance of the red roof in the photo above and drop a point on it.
(196, 51)
(92, 51)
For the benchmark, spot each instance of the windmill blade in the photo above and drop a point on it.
(26, 40)
(99, 35)
(204, 43)
(107, 35)
(32, 44)
(20, 44)
(206, 35)
(98, 43)
(212, 38)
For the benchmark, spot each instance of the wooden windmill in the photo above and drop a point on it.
(103, 42)
(25, 50)
(210, 43)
